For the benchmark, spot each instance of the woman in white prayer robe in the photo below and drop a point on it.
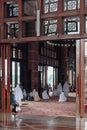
(59, 89)
(66, 88)
(18, 95)
(62, 97)
(45, 95)
(64, 93)
(36, 96)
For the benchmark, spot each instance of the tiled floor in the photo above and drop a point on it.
(35, 118)
(37, 122)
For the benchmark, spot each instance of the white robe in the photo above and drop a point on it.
(55, 92)
(18, 95)
(66, 89)
(59, 89)
(45, 95)
(36, 96)
(62, 97)
(64, 93)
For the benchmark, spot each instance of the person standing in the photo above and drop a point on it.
(12, 101)
(18, 94)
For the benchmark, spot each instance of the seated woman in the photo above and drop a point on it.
(45, 95)
(59, 89)
(36, 96)
(64, 94)
(62, 97)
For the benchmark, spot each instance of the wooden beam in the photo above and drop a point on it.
(41, 38)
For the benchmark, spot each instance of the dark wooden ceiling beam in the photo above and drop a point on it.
(42, 38)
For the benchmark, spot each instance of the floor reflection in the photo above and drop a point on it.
(36, 122)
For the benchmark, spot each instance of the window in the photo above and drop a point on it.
(50, 27)
(17, 53)
(15, 73)
(12, 29)
(11, 9)
(18, 58)
(50, 6)
(85, 24)
(48, 54)
(71, 4)
(71, 25)
(29, 7)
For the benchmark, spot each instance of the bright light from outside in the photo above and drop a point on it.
(50, 75)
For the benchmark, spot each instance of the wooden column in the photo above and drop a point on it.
(63, 61)
(82, 97)
(20, 18)
(60, 21)
(2, 17)
(33, 64)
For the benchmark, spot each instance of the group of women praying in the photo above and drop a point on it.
(61, 90)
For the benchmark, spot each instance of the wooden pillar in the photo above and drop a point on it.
(60, 21)
(63, 61)
(33, 64)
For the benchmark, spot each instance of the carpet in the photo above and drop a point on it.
(50, 107)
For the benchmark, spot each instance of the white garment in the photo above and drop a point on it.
(59, 89)
(55, 92)
(36, 96)
(62, 97)
(18, 95)
(45, 95)
(18, 108)
(66, 88)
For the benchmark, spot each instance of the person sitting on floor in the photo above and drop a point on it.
(62, 97)
(36, 96)
(59, 88)
(64, 93)
(18, 96)
(45, 95)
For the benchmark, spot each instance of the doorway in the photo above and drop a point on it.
(64, 52)
(69, 66)
(19, 70)
(15, 73)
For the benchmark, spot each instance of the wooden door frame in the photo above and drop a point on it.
(80, 78)
(5, 54)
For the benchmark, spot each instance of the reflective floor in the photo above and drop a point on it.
(35, 122)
